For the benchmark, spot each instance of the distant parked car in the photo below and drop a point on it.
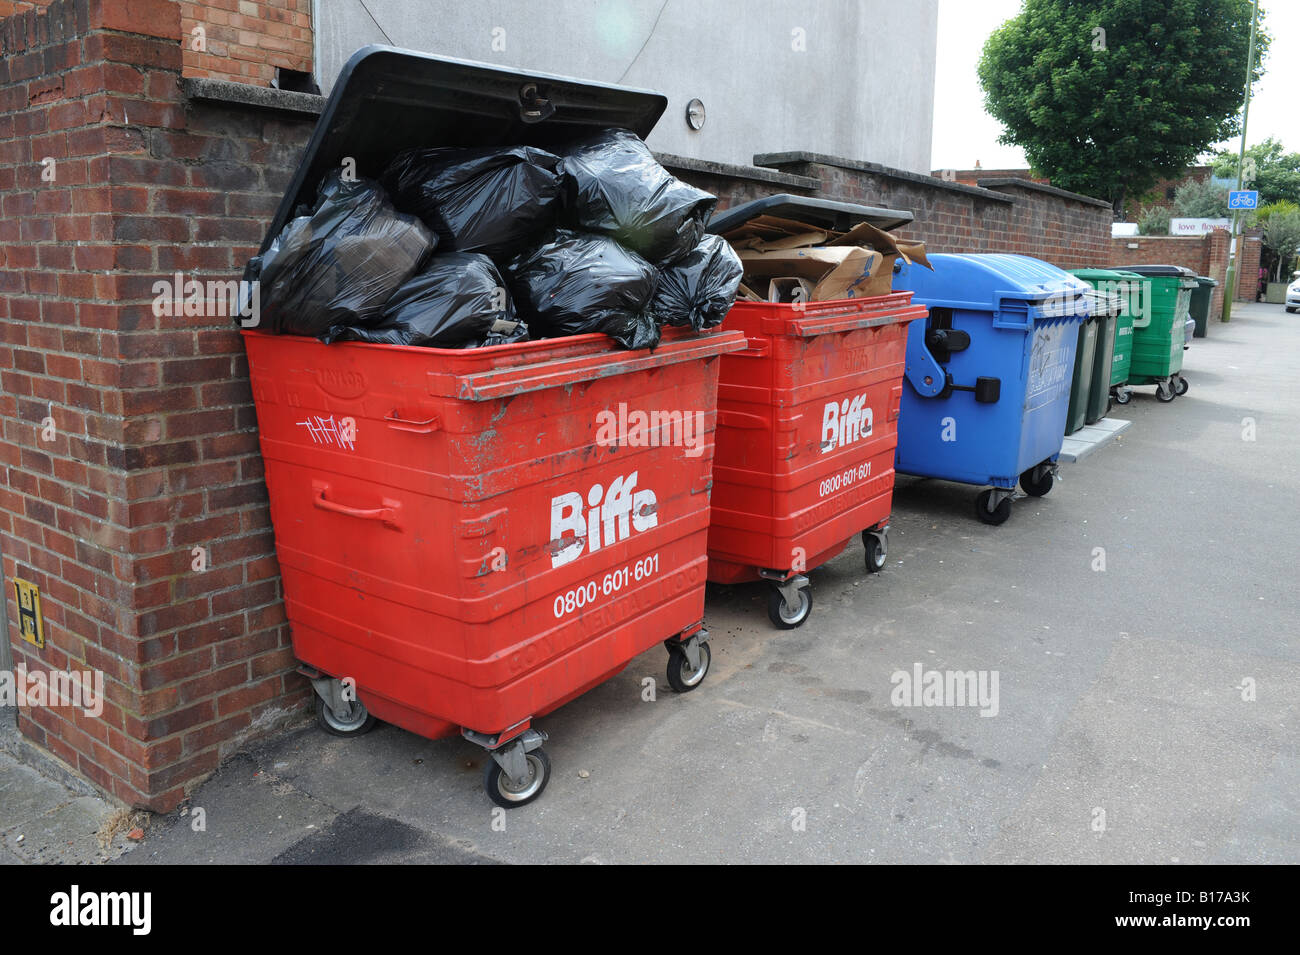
(1293, 296)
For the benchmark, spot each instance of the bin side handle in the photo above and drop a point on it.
(738, 419)
(386, 514)
(1012, 313)
(398, 423)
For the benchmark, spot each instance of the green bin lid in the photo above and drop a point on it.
(1187, 276)
(1102, 275)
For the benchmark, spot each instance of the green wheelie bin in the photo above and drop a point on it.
(1108, 298)
(1200, 305)
(1117, 298)
(1085, 361)
(1158, 334)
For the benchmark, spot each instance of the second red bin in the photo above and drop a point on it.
(807, 425)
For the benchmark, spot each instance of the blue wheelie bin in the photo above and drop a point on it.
(988, 373)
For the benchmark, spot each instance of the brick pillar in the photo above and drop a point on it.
(1248, 259)
(1218, 241)
(134, 498)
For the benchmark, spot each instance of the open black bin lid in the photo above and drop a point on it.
(386, 100)
(1159, 271)
(821, 213)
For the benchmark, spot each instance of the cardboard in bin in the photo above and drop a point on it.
(831, 250)
(819, 274)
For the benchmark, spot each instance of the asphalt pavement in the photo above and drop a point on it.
(1140, 621)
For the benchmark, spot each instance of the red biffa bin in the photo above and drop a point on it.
(460, 549)
(807, 425)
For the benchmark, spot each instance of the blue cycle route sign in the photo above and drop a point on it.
(1243, 199)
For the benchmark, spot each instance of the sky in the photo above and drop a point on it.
(964, 132)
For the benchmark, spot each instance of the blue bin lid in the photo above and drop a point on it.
(986, 281)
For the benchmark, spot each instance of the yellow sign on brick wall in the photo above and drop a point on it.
(30, 622)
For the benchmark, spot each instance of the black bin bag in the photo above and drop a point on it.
(576, 283)
(339, 265)
(699, 289)
(613, 185)
(491, 200)
(458, 300)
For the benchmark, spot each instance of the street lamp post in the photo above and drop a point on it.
(1231, 284)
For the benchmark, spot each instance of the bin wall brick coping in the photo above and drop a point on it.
(243, 94)
(732, 171)
(1013, 182)
(796, 158)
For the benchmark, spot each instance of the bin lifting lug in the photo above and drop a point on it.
(932, 380)
(925, 374)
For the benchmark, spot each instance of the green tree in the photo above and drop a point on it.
(1153, 220)
(1281, 224)
(1200, 199)
(1110, 96)
(1277, 173)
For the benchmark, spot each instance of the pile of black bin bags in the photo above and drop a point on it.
(464, 248)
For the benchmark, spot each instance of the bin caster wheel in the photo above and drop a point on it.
(782, 615)
(877, 550)
(509, 794)
(355, 721)
(996, 516)
(1166, 393)
(1182, 385)
(1035, 488)
(683, 677)
(1123, 396)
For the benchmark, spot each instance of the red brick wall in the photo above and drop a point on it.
(1248, 265)
(1205, 255)
(1160, 192)
(245, 40)
(242, 41)
(1191, 252)
(9, 7)
(154, 449)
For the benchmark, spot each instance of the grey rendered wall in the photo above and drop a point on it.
(850, 78)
